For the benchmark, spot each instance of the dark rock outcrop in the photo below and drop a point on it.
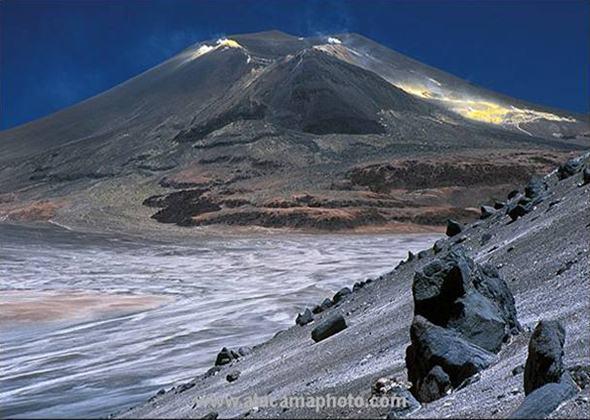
(233, 376)
(569, 168)
(535, 188)
(544, 363)
(226, 356)
(463, 312)
(328, 328)
(436, 384)
(544, 400)
(455, 292)
(586, 176)
(453, 227)
(434, 346)
(326, 304)
(305, 318)
(341, 294)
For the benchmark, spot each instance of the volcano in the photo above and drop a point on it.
(271, 130)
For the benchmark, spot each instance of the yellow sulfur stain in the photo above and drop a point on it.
(480, 110)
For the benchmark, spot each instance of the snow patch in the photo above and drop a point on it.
(332, 40)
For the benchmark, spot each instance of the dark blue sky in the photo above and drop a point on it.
(56, 53)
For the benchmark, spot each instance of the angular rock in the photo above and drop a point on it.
(326, 304)
(499, 205)
(432, 345)
(453, 227)
(455, 292)
(518, 370)
(341, 294)
(305, 318)
(485, 238)
(328, 328)
(226, 356)
(407, 403)
(438, 246)
(586, 176)
(487, 211)
(544, 363)
(422, 254)
(233, 376)
(244, 351)
(513, 194)
(535, 188)
(411, 256)
(544, 400)
(436, 384)
(212, 415)
(516, 210)
(569, 168)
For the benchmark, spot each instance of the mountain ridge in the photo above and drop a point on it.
(247, 113)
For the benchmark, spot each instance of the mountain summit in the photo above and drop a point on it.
(273, 130)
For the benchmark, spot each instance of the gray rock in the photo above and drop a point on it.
(569, 168)
(305, 318)
(244, 351)
(586, 176)
(544, 400)
(516, 210)
(438, 246)
(212, 415)
(513, 194)
(487, 211)
(326, 304)
(455, 292)
(422, 254)
(233, 376)
(544, 363)
(328, 328)
(405, 405)
(535, 188)
(341, 294)
(485, 238)
(499, 205)
(226, 356)
(432, 345)
(453, 227)
(435, 385)
(581, 375)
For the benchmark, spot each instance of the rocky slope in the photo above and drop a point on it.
(277, 131)
(491, 282)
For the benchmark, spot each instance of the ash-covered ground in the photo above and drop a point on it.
(542, 256)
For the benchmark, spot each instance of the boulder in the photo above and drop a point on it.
(569, 168)
(226, 356)
(326, 304)
(341, 294)
(233, 376)
(544, 362)
(487, 211)
(438, 246)
(535, 188)
(455, 292)
(305, 318)
(513, 194)
(432, 345)
(244, 351)
(453, 227)
(328, 328)
(516, 210)
(540, 403)
(436, 384)
(499, 205)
